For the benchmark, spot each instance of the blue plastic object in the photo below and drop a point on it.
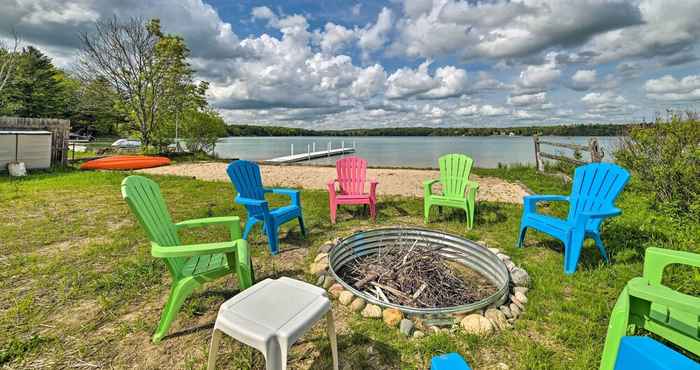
(592, 199)
(450, 361)
(644, 353)
(245, 176)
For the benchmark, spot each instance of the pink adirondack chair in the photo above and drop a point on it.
(352, 174)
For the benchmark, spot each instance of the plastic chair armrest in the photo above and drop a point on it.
(640, 288)
(656, 260)
(428, 186)
(195, 249)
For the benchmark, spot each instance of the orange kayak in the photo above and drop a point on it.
(125, 162)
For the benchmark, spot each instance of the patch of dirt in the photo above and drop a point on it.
(392, 181)
(68, 246)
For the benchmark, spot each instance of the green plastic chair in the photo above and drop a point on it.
(647, 304)
(457, 190)
(190, 265)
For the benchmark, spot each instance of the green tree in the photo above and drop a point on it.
(201, 129)
(144, 67)
(37, 88)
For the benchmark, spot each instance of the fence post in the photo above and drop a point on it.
(292, 149)
(538, 159)
(596, 151)
(328, 153)
(308, 151)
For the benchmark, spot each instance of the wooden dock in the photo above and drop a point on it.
(309, 155)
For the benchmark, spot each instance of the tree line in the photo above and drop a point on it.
(561, 130)
(130, 79)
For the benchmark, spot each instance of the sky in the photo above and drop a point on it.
(436, 63)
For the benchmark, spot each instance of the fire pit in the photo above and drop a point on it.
(433, 274)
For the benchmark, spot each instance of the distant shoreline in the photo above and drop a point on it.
(561, 130)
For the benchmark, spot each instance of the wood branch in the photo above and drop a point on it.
(381, 294)
(370, 277)
(393, 291)
(419, 291)
(561, 158)
(566, 145)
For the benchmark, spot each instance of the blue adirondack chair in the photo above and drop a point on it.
(245, 176)
(592, 198)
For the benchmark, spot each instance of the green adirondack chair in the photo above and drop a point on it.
(645, 303)
(457, 190)
(190, 265)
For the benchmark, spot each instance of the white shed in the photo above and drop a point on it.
(31, 147)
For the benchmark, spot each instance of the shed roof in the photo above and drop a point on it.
(24, 132)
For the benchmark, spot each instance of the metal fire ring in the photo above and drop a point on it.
(454, 248)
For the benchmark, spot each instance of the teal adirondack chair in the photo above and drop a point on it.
(645, 303)
(457, 190)
(190, 265)
(592, 200)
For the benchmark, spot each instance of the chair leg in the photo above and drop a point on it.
(272, 237)
(572, 252)
(426, 211)
(301, 225)
(472, 211)
(274, 357)
(330, 327)
(601, 247)
(248, 227)
(179, 292)
(373, 211)
(214, 349)
(521, 236)
(334, 210)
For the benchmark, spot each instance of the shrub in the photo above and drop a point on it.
(665, 158)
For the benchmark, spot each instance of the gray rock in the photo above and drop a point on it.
(514, 310)
(477, 325)
(495, 251)
(357, 304)
(520, 277)
(321, 256)
(372, 311)
(328, 282)
(498, 318)
(418, 334)
(521, 297)
(506, 311)
(517, 302)
(325, 248)
(345, 297)
(509, 265)
(320, 280)
(406, 327)
(520, 289)
(503, 257)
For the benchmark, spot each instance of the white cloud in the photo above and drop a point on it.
(670, 88)
(335, 37)
(606, 102)
(540, 76)
(583, 79)
(483, 110)
(373, 37)
(528, 99)
(370, 82)
(447, 82)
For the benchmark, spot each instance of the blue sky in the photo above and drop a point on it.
(437, 63)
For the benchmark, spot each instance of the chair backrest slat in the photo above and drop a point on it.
(146, 202)
(352, 174)
(454, 174)
(245, 176)
(595, 188)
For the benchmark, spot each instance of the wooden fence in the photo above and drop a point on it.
(59, 128)
(593, 148)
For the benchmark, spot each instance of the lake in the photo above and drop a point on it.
(406, 151)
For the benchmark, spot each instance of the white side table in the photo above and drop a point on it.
(270, 316)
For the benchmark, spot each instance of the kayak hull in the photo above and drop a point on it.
(125, 162)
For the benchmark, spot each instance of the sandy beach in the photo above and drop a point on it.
(405, 182)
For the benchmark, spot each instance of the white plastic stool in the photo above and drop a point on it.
(270, 316)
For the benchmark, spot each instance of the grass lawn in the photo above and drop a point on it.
(78, 287)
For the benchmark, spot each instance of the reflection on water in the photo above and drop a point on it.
(422, 151)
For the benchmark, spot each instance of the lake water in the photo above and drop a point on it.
(411, 151)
